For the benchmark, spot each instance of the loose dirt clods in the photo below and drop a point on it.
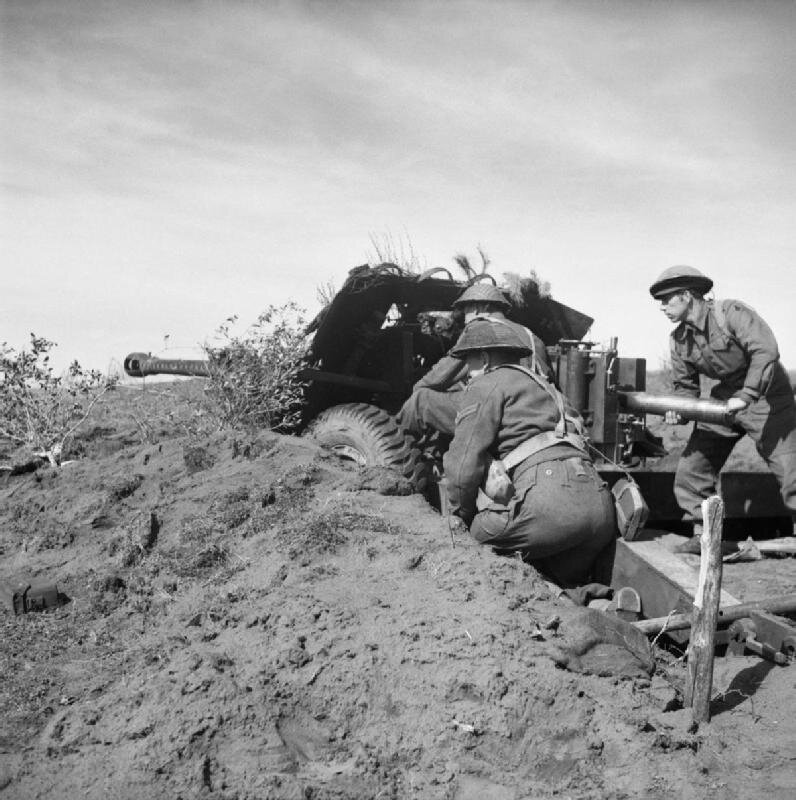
(250, 618)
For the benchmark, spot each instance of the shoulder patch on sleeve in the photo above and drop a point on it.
(466, 411)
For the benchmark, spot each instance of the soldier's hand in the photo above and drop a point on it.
(672, 418)
(736, 404)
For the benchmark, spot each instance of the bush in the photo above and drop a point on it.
(39, 409)
(254, 379)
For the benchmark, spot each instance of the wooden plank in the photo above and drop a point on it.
(785, 545)
(776, 632)
(783, 604)
(665, 583)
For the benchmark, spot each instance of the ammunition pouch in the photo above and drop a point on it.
(631, 509)
(498, 486)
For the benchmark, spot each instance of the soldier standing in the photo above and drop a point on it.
(730, 342)
(561, 515)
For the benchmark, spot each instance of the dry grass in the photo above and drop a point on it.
(389, 249)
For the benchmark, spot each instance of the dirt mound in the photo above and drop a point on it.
(251, 618)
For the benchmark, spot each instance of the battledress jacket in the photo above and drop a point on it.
(500, 410)
(741, 353)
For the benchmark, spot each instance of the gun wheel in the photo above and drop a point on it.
(370, 437)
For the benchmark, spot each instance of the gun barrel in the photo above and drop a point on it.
(139, 365)
(697, 409)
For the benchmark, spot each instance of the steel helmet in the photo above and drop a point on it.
(485, 334)
(482, 293)
(681, 277)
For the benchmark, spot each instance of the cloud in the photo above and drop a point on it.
(339, 85)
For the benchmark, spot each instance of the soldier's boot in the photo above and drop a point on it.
(692, 545)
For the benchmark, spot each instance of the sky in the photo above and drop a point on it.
(167, 164)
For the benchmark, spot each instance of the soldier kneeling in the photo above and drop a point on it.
(561, 515)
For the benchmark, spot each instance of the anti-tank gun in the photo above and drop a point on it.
(377, 337)
(382, 332)
(140, 365)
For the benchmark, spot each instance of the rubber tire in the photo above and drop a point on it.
(369, 436)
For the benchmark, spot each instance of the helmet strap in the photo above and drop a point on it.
(695, 304)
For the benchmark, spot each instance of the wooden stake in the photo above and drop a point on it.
(706, 612)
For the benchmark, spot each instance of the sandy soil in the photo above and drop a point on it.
(251, 618)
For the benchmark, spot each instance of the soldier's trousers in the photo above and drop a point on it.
(430, 410)
(561, 519)
(770, 422)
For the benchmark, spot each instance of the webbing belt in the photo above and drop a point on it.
(541, 442)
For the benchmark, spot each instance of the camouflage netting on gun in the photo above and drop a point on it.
(370, 292)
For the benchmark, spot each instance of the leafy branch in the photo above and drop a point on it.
(254, 379)
(40, 409)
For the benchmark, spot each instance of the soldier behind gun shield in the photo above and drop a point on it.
(436, 398)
